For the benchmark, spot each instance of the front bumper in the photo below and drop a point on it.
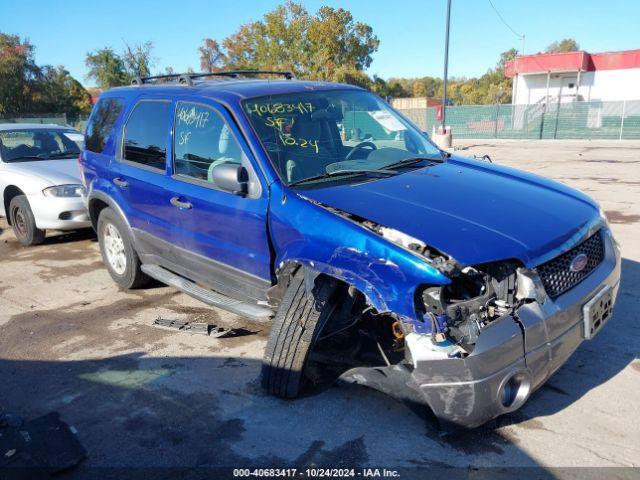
(519, 351)
(59, 213)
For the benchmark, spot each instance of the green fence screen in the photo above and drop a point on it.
(570, 120)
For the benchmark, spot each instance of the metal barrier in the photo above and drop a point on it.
(553, 120)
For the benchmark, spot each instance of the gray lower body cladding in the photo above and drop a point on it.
(513, 356)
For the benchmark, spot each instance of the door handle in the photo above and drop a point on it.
(121, 183)
(176, 202)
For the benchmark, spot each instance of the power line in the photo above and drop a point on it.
(504, 21)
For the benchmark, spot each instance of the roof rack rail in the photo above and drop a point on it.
(187, 78)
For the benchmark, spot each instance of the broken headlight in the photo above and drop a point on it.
(475, 297)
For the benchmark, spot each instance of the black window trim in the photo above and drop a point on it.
(120, 157)
(195, 181)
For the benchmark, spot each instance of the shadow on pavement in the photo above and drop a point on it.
(70, 236)
(139, 411)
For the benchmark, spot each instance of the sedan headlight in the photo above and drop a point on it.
(64, 191)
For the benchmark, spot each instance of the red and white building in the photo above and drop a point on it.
(575, 76)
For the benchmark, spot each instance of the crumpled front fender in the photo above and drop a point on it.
(308, 233)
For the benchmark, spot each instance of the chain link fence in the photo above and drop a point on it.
(570, 120)
(78, 122)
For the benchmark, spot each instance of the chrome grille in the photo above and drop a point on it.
(556, 274)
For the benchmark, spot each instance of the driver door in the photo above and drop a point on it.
(222, 239)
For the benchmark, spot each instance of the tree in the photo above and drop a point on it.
(211, 57)
(565, 45)
(336, 42)
(110, 69)
(106, 68)
(59, 92)
(329, 45)
(138, 60)
(18, 74)
(419, 89)
(390, 89)
(505, 57)
(28, 88)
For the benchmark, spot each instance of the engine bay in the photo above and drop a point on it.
(476, 296)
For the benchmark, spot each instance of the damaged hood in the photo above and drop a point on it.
(473, 211)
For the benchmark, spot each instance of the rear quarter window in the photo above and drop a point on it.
(100, 128)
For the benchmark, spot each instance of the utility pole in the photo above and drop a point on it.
(446, 65)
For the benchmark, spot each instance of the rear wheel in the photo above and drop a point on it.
(296, 327)
(117, 251)
(24, 223)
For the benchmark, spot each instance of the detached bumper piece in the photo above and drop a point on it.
(193, 327)
(513, 356)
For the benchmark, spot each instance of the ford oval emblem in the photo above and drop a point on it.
(579, 262)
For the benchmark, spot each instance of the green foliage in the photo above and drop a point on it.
(60, 92)
(565, 45)
(110, 69)
(27, 88)
(18, 74)
(106, 68)
(138, 59)
(390, 89)
(329, 45)
(492, 87)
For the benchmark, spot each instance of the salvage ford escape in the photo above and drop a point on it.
(449, 283)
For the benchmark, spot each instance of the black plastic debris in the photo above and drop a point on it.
(194, 327)
(38, 448)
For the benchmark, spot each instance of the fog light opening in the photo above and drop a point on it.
(515, 390)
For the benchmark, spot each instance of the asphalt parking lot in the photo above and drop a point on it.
(71, 342)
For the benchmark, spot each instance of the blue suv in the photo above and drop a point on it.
(446, 282)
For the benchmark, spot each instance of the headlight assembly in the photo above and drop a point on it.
(64, 191)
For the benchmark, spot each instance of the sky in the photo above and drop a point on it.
(411, 32)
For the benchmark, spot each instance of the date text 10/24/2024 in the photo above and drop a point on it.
(316, 472)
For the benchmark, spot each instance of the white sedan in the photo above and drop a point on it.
(40, 180)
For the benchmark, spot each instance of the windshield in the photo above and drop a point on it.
(324, 136)
(30, 145)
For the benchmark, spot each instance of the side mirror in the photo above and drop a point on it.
(231, 177)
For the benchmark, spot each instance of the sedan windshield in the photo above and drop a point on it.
(324, 136)
(28, 145)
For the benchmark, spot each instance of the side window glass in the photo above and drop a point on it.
(145, 135)
(100, 126)
(202, 140)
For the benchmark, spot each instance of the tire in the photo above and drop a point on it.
(296, 327)
(24, 223)
(118, 253)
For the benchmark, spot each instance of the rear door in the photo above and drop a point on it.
(223, 236)
(140, 174)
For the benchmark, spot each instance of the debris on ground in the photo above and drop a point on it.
(37, 448)
(201, 328)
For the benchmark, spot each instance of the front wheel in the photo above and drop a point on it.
(117, 251)
(296, 328)
(23, 222)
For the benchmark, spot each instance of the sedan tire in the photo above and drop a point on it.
(24, 223)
